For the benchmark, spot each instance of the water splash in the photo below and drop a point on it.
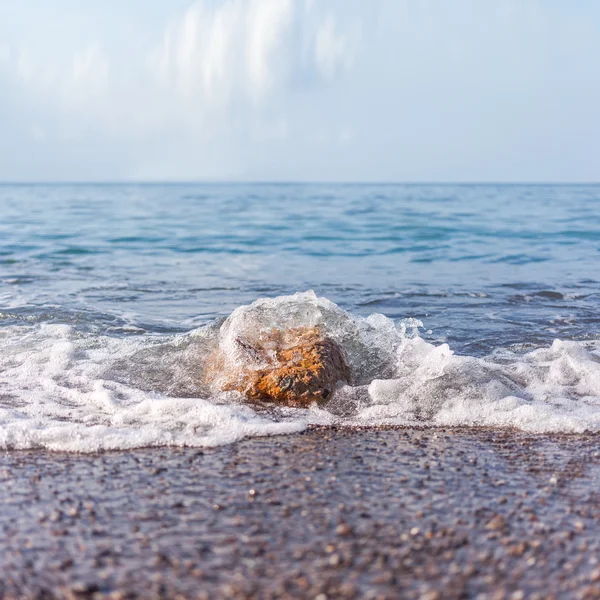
(64, 389)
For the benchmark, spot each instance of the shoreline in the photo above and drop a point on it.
(330, 513)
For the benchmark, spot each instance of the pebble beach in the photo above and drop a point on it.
(328, 513)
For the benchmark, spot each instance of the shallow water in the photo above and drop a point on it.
(109, 295)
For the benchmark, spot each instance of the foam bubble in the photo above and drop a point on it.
(54, 394)
(72, 391)
(548, 390)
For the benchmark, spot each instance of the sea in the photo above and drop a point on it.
(455, 306)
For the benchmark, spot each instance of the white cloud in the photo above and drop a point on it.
(76, 83)
(268, 22)
(331, 49)
(197, 57)
(90, 67)
(401, 89)
(88, 78)
(243, 51)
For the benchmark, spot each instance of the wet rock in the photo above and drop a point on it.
(292, 367)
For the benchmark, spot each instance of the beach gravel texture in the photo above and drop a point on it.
(390, 513)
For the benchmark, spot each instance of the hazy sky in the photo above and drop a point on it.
(393, 90)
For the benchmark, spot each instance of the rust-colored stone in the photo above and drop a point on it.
(298, 366)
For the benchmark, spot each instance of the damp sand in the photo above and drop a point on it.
(328, 513)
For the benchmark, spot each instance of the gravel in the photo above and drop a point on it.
(330, 513)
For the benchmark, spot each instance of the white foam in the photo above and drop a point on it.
(53, 395)
(64, 390)
(548, 390)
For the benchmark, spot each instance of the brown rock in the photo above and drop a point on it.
(293, 367)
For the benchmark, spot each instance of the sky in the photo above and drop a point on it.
(300, 90)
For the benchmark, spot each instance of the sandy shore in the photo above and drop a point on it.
(324, 514)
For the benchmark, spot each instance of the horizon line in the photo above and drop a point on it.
(287, 182)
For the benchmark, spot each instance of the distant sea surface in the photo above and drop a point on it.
(476, 279)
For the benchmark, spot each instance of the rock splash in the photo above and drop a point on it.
(291, 367)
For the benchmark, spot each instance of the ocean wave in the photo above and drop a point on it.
(68, 390)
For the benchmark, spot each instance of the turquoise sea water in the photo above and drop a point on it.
(484, 268)
(480, 265)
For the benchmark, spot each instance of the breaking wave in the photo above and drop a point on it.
(74, 391)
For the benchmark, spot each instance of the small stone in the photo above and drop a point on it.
(334, 560)
(517, 549)
(344, 529)
(348, 590)
(498, 522)
(55, 516)
(84, 587)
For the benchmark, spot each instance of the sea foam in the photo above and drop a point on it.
(67, 390)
